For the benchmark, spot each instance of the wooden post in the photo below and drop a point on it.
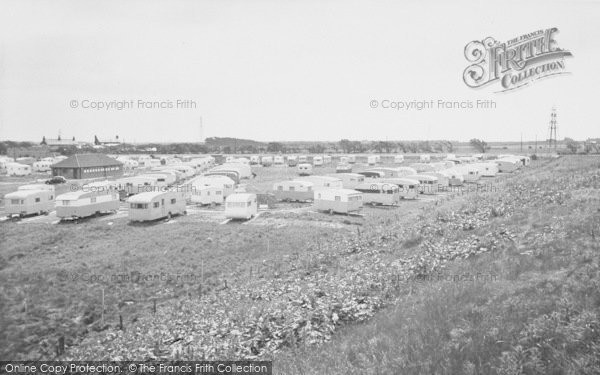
(60, 347)
(121, 322)
(102, 307)
(154, 307)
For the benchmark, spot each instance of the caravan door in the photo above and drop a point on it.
(163, 209)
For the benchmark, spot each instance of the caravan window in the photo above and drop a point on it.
(65, 203)
(280, 188)
(174, 200)
(155, 204)
(218, 192)
(37, 200)
(249, 204)
(292, 188)
(14, 201)
(338, 198)
(93, 199)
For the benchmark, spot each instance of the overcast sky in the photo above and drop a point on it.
(284, 70)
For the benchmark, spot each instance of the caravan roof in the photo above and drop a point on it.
(401, 181)
(240, 197)
(376, 186)
(422, 177)
(72, 195)
(20, 194)
(212, 179)
(356, 175)
(36, 187)
(144, 197)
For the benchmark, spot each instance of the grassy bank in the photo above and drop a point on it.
(538, 314)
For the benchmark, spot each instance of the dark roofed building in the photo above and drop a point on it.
(88, 166)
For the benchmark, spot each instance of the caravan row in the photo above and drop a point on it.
(40, 199)
(385, 192)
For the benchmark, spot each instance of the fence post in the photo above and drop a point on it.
(102, 307)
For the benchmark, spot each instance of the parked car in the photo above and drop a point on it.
(56, 180)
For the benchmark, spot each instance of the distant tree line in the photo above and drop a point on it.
(245, 146)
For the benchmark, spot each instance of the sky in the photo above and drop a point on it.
(274, 70)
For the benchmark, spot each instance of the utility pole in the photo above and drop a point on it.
(552, 129)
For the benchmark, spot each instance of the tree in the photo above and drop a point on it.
(480, 145)
(411, 147)
(275, 147)
(572, 145)
(424, 146)
(316, 149)
(345, 145)
(356, 146)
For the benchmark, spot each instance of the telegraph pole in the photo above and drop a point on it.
(552, 129)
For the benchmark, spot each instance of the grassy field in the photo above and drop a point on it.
(482, 282)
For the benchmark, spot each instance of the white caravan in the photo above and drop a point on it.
(241, 206)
